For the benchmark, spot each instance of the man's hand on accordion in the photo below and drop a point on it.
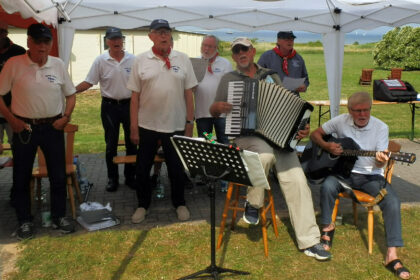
(303, 132)
(218, 108)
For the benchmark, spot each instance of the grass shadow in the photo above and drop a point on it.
(120, 271)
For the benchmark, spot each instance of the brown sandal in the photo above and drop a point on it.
(397, 272)
(330, 235)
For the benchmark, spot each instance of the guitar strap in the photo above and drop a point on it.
(348, 189)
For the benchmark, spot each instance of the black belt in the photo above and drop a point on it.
(115, 101)
(41, 120)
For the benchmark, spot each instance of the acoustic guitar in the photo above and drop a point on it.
(318, 163)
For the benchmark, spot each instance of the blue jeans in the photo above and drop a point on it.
(370, 184)
(112, 116)
(206, 125)
(25, 146)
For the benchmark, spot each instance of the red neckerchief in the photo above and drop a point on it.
(211, 60)
(165, 56)
(285, 58)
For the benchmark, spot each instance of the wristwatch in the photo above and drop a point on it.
(189, 122)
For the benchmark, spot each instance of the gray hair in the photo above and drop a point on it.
(359, 98)
(214, 37)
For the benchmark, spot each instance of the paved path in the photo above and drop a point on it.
(123, 202)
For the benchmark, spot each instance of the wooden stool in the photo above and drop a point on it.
(232, 204)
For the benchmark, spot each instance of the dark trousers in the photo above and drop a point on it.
(112, 115)
(25, 146)
(370, 184)
(206, 125)
(145, 157)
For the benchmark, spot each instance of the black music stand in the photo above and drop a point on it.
(214, 162)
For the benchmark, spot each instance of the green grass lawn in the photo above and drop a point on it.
(181, 249)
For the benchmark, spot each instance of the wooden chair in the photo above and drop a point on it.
(232, 204)
(395, 74)
(365, 198)
(366, 78)
(71, 179)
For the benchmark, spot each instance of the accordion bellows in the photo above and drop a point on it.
(267, 110)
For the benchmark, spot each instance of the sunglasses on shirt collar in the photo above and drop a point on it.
(238, 48)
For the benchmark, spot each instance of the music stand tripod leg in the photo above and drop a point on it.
(214, 161)
(213, 269)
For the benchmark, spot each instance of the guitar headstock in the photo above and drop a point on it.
(404, 157)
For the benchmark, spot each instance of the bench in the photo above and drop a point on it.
(322, 103)
(133, 158)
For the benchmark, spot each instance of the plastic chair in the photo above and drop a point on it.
(71, 178)
(365, 198)
(232, 205)
(396, 73)
(366, 78)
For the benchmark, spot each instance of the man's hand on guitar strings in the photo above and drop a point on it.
(334, 148)
(381, 158)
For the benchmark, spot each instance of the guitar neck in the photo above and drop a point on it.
(404, 157)
(361, 153)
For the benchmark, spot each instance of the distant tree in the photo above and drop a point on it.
(399, 48)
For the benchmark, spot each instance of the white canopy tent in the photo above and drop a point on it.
(331, 18)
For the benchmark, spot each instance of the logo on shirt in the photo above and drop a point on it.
(175, 68)
(51, 78)
(295, 63)
(217, 70)
(127, 69)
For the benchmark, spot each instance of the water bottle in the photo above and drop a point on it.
(45, 207)
(160, 189)
(81, 175)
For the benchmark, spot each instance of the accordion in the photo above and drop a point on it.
(268, 110)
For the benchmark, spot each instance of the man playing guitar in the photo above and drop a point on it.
(369, 133)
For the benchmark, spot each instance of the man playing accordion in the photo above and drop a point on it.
(289, 172)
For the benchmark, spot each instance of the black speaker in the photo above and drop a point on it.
(393, 91)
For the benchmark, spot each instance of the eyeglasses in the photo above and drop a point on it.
(162, 32)
(238, 48)
(360, 110)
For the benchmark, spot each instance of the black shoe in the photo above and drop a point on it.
(25, 231)
(64, 224)
(112, 185)
(251, 214)
(131, 183)
(318, 252)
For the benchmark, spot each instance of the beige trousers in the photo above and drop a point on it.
(293, 185)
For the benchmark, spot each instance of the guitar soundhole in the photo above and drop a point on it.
(333, 157)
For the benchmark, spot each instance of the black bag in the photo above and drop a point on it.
(393, 91)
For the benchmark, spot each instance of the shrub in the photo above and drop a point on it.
(400, 48)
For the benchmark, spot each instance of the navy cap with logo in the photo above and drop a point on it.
(113, 32)
(39, 31)
(159, 23)
(285, 35)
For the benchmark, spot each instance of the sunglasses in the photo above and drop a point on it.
(238, 48)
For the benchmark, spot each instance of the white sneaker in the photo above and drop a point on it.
(183, 213)
(139, 215)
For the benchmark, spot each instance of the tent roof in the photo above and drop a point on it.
(319, 16)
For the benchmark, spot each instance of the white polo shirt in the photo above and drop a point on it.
(162, 105)
(206, 90)
(37, 92)
(372, 137)
(111, 75)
